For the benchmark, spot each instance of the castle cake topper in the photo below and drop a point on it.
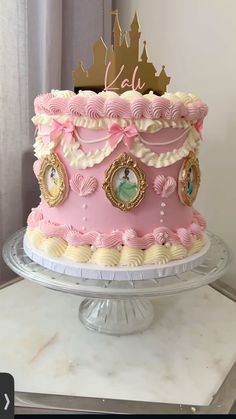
(120, 67)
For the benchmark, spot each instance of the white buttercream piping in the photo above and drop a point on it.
(150, 158)
(142, 125)
(81, 160)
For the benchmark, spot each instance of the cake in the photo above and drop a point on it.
(118, 165)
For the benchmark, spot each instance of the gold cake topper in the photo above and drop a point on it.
(120, 68)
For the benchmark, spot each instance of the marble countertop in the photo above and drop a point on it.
(182, 358)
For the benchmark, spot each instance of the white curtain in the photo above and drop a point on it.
(30, 63)
(39, 48)
(14, 135)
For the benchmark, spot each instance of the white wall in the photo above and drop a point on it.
(196, 40)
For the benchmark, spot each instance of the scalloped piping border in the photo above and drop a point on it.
(129, 237)
(121, 256)
(130, 104)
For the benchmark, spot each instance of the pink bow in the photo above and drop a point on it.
(66, 128)
(126, 134)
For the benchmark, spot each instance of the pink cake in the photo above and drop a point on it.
(118, 176)
(118, 172)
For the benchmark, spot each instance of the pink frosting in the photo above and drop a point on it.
(36, 167)
(164, 186)
(97, 106)
(75, 238)
(50, 229)
(129, 237)
(41, 103)
(175, 111)
(83, 185)
(164, 234)
(57, 105)
(168, 187)
(159, 107)
(77, 105)
(95, 212)
(198, 219)
(195, 230)
(119, 107)
(35, 217)
(141, 108)
(159, 183)
(109, 240)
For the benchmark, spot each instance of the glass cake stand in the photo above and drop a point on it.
(118, 307)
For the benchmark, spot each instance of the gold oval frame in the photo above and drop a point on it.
(53, 161)
(124, 160)
(191, 162)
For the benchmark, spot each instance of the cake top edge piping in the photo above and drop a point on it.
(130, 104)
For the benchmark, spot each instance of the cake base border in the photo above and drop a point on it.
(118, 273)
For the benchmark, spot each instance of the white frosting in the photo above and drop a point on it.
(41, 150)
(87, 93)
(150, 158)
(186, 98)
(108, 94)
(81, 160)
(142, 125)
(62, 93)
(150, 95)
(129, 95)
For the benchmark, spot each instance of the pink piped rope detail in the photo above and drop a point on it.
(129, 237)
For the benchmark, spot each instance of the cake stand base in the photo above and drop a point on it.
(116, 316)
(119, 305)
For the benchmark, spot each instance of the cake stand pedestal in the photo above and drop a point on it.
(112, 306)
